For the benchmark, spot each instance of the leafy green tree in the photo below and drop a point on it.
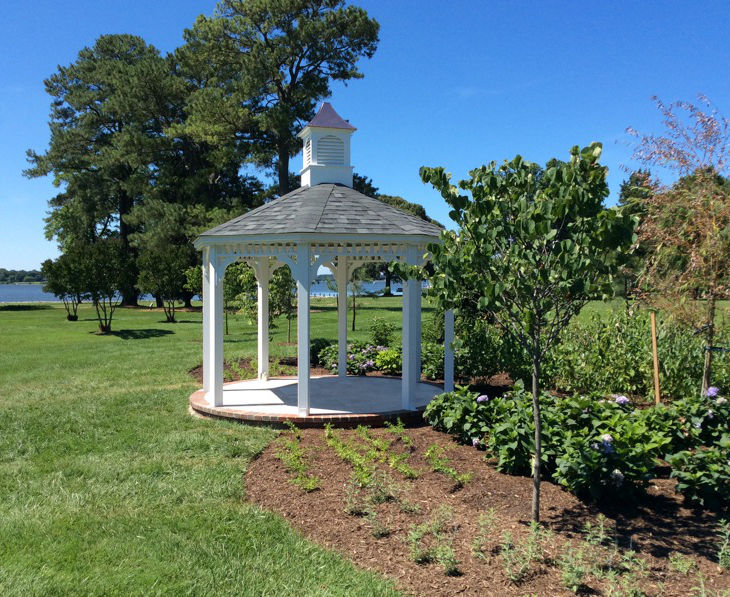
(533, 246)
(282, 296)
(162, 273)
(635, 193)
(104, 273)
(265, 64)
(107, 115)
(64, 279)
(365, 185)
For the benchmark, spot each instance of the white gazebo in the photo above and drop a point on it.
(325, 222)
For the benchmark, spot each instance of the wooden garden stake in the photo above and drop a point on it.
(655, 354)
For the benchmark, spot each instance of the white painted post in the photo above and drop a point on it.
(448, 351)
(262, 277)
(207, 369)
(411, 335)
(341, 275)
(215, 328)
(303, 273)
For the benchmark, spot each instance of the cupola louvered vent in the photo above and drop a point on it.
(330, 151)
(308, 152)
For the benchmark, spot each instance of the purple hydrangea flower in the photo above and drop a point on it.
(475, 442)
(606, 437)
(710, 414)
(482, 398)
(621, 400)
(721, 400)
(698, 425)
(712, 391)
(617, 477)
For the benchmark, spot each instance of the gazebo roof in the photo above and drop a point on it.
(324, 209)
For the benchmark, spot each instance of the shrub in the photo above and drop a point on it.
(458, 413)
(611, 354)
(432, 360)
(316, 346)
(360, 358)
(703, 474)
(381, 331)
(389, 361)
(590, 446)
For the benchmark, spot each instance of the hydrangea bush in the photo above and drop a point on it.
(596, 446)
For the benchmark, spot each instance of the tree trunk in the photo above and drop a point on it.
(128, 292)
(388, 278)
(710, 336)
(354, 311)
(538, 439)
(288, 331)
(283, 170)
(158, 302)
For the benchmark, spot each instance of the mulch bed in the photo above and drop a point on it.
(654, 528)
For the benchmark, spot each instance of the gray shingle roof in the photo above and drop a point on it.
(325, 209)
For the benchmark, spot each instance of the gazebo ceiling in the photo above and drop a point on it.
(322, 210)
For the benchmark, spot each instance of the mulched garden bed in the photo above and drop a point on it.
(378, 541)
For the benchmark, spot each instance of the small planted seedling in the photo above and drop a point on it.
(440, 464)
(356, 503)
(431, 541)
(486, 528)
(573, 569)
(399, 429)
(294, 459)
(723, 549)
(382, 488)
(518, 558)
(681, 563)
(379, 528)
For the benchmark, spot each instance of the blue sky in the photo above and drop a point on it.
(455, 84)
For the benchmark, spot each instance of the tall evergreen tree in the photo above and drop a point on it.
(264, 64)
(107, 117)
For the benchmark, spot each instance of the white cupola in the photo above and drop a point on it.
(326, 149)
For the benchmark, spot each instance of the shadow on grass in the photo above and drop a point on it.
(140, 334)
(24, 307)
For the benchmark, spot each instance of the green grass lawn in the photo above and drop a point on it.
(108, 485)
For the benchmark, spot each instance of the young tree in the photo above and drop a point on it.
(103, 276)
(534, 245)
(64, 279)
(686, 226)
(267, 63)
(282, 297)
(162, 273)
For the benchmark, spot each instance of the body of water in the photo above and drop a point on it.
(33, 293)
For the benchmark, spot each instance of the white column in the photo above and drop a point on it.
(262, 276)
(448, 351)
(214, 297)
(303, 274)
(206, 321)
(341, 275)
(411, 335)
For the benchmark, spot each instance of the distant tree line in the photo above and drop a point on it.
(14, 276)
